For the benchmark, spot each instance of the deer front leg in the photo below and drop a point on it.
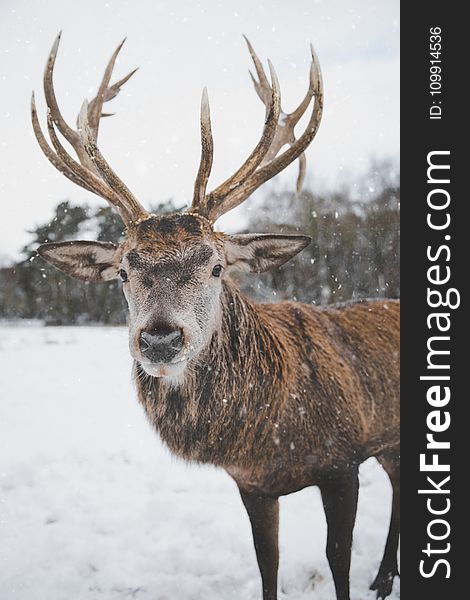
(388, 570)
(264, 517)
(339, 496)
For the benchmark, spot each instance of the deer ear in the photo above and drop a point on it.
(88, 261)
(259, 252)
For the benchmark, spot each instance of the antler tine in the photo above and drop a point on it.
(237, 195)
(50, 154)
(296, 114)
(106, 92)
(217, 196)
(262, 87)
(92, 182)
(207, 153)
(69, 134)
(113, 90)
(301, 175)
(128, 201)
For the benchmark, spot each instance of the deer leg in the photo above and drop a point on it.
(339, 496)
(388, 569)
(263, 512)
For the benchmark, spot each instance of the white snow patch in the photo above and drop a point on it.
(92, 506)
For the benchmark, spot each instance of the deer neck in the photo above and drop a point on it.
(220, 407)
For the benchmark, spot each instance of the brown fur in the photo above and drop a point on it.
(282, 396)
(285, 392)
(286, 396)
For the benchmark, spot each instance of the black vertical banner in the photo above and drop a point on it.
(434, 250)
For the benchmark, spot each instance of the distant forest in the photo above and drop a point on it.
(354, 254)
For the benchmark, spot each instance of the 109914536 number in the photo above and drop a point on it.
(435, 68)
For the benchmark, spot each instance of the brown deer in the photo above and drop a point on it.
(282, 396)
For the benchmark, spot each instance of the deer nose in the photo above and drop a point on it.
(161, 345)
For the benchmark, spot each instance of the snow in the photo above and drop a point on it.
(92, 506)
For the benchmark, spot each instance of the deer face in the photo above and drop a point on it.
(172, 270)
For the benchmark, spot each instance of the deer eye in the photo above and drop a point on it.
(217, 270)
(123, 275)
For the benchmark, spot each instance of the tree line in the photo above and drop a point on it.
(354, 254)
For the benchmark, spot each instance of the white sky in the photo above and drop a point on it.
(182, 45)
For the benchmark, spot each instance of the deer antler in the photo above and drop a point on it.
(91, 171)
(264, 162)
(287, 121)
(202, 202)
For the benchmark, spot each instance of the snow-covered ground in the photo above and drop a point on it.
(92, 506)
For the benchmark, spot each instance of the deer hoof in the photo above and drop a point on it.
(383, 584)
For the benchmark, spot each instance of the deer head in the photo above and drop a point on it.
(172, 266)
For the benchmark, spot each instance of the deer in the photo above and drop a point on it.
(282, 396)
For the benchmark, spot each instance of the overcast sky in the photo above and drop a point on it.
(181, 45)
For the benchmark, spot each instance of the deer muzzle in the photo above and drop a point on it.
(161, 347)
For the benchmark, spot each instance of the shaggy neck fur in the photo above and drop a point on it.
(283, 386)
(208, 416)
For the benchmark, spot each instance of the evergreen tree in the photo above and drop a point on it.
(34, 289)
